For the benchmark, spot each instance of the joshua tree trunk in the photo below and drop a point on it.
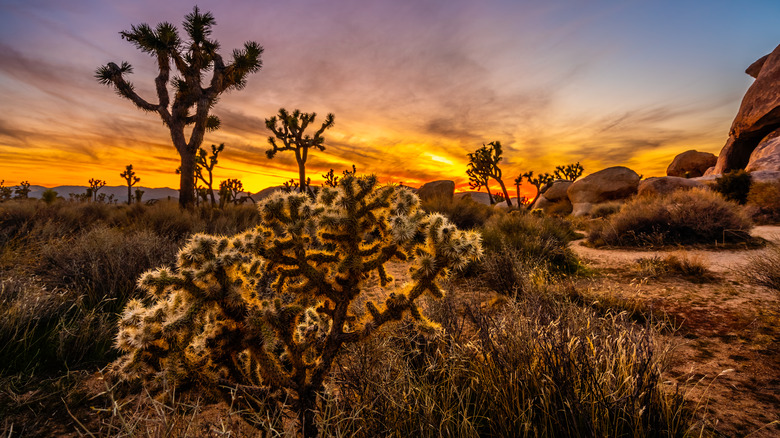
(301, 156)
(490, 195)
(506, 194)
(186, 180)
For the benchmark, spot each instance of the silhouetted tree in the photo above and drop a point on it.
(5, 192)
(570, 172)
(483, 165)
(94, 186)
(289, 129)
(538, 181)
(202, 161)
(192, 99)
(138, 195)
(131, 179)
(229, 190)
(331, 180)
(477, 181)
(22, 191)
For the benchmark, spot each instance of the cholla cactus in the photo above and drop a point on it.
(210, 321)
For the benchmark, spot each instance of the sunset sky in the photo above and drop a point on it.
(414, 85)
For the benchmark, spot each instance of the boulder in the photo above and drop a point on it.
(766, 156)
(557, 190)
(665, 184)
(605, 185)
(690, 164)
(758, 115)
(443, 189)
(479, 197)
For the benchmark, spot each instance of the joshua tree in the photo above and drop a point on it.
(94, 186)
(138, 195)
(483, 165)
(331, 180)
(229, 190)
(192, 99)
(5, 192)
(477, 181)
(22, 191)
(570, 172)
(202, 161)
(131, 179)
(289, 130)
(209, 322)
(538, 181)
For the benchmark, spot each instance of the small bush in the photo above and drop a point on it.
(465, 213)
(697, 216)
(538, 241)
(764, 270)
(605, 209)
(764, 198)
(734, 185)
(682, 265)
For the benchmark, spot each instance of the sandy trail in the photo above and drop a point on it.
(717, 260)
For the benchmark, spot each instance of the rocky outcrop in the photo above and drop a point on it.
(554, 196)
(478, 197)
(665, 184)
(766, 156)
(758, 115)
(691, 164)
(443, 189)
(605, 185)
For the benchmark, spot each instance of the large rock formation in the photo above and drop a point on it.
(691, 164)
(605, 185)
(758, 116)
(554, 195)
(665, 184)
(766, 156)
(443, 189)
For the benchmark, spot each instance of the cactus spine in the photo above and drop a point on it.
(210, 322)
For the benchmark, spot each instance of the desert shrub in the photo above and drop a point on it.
(605, 209)
(534, 241)
(764, 269)
(464, 212)
(674, 265)
(734, 185)
(764, 198)
(166, 219)
(697, 216)
(43, 330)
(49, 196)
(103, 264)
(560, 208)
(206, 323)
(16, 219)
(536, 367)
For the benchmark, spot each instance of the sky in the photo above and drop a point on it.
(415, 85)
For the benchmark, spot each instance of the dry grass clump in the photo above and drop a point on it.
(521, 249)
(536, 367)
(697, 216)
(465, 213)
(764, 270)
(679, 265)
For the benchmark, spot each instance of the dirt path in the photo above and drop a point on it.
(727, 335)
(718, 261)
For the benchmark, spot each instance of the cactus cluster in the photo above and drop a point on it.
(271, 308)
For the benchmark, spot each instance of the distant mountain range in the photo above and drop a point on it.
(119, 192)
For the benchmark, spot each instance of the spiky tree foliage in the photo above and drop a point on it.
(207, 162)
(138, 195)
(570, 172)
(477, 181)
(94, 187)
(538, 181)
(131, 180)
(193, 93)
(483, 165)
(289, 129)
(22, 191)
(210, 322)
